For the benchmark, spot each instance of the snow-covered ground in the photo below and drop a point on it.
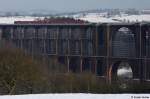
(90, 17)
(79, 96)
(133, 18)
(96, 18)
(103, 18)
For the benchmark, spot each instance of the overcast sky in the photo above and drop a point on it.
(70, 5)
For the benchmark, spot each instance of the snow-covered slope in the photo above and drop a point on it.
(133, 18)
(103, 18)
(96, 18)
(76, 96)
(90, 17)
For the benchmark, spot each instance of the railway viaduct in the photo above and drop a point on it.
(98, 48)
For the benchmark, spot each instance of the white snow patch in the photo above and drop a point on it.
(96, 18)
(133, 18)
(90, 17)
(11, 20)
(75, 96)
(103, 18)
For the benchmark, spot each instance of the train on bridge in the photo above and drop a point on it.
(98, 48)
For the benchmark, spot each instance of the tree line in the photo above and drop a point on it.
(21, 73)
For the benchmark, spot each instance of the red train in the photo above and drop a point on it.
(53, 21)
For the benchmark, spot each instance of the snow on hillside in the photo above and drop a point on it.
(77, 96)
(133, 18)
(103, 18)
(96, 18)
(10, 20)
(90, 17)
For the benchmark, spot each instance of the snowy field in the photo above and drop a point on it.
(134, 18)
(79, 96)
(90, 17)
(96, 18)
(100, 18)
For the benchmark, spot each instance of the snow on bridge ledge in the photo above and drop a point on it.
(78, 96)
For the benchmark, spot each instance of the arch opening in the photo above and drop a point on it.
(124, 74)
(123, 43)
(121, 73)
